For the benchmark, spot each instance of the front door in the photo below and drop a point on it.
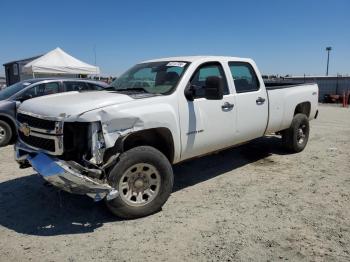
(207, 125)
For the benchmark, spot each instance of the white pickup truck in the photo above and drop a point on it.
(119, 144)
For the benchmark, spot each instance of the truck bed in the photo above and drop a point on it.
(284, 98)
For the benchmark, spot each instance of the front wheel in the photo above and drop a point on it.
(296, 136)
(5, 133)
(144, 179)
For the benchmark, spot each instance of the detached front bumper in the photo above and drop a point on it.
(63, 175)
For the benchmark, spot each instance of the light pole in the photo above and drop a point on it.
(328, 49)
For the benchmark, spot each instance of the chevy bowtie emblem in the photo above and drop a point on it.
(25, 129)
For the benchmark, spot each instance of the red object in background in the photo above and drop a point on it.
(332, 98)
(343, 99)
(346, 98)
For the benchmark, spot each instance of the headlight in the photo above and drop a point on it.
(98, 145)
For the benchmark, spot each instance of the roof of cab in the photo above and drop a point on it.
(198, 58)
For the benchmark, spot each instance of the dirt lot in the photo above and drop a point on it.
(249, 203)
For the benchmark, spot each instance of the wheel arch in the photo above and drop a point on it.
(303, 108)
(11, 123)
(160, 138)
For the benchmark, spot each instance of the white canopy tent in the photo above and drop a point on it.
(59, 62)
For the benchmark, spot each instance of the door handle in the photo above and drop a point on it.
(227, 106)
(260, 100)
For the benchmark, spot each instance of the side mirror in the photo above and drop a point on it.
(189, 92)
(214, 88)
(24, 97)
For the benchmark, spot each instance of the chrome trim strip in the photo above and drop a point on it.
(43, 131)
(57, 139)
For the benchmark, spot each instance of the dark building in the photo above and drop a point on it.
(14, 72)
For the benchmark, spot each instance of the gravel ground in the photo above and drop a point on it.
(252, 203)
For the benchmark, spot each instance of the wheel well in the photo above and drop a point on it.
(12, 125)
(159, 138)
(303, 108)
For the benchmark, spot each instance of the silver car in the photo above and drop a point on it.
(12, 96)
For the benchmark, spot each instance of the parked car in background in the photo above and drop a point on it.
(12, 96)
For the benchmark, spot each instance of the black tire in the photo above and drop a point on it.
(142, 155)
(6, 133)
(295, 141)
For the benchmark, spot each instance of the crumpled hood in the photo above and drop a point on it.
(72, 103)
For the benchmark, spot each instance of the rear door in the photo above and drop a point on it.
(251, 101)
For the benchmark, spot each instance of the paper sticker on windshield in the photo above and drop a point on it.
(178, 64)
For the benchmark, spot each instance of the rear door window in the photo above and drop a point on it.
(244, 77)
(75, 86)
(92, 86)
(48, 88)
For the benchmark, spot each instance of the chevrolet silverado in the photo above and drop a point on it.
(119, 145)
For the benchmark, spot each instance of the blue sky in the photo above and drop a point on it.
(283, 37)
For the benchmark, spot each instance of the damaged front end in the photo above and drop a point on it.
(69, 155)
(68, 176)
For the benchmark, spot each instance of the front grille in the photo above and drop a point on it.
(38, 142)
(36, 122)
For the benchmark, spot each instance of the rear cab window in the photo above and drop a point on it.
(244, 77)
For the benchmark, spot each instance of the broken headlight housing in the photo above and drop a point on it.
(98, 145)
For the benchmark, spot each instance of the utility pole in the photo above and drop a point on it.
(95, 54)
(328, 49)
(95, 58)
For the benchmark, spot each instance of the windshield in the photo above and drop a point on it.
(154, 77)
(13, 89)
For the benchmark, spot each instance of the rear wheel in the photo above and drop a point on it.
(5, 133)
(296, 136)
(144, 179)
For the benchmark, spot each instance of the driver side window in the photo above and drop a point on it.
(31, 92)
(202, 73)
(41, 90)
